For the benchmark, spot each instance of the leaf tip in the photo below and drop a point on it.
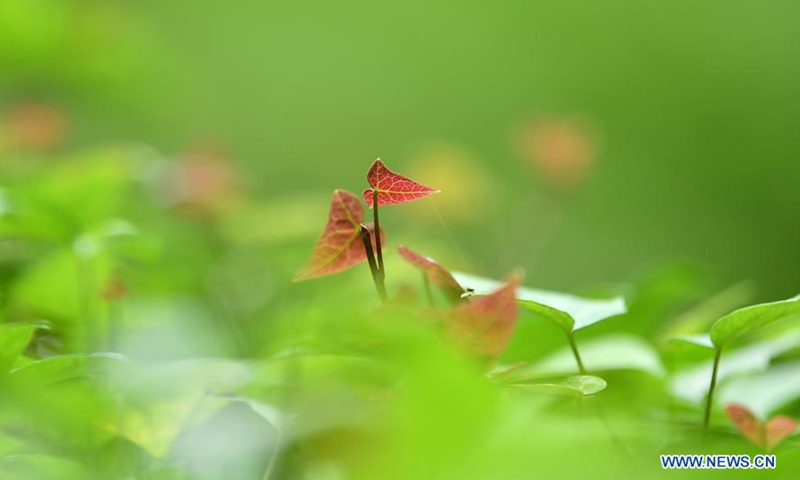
(377, 163)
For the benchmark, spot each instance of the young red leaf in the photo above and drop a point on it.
(484, 325)
(438, 275)
(762, 435)
(392, 187)
(340, 246)
(747, 423)
(777, 429)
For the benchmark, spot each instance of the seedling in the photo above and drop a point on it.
(738, 324)
(338, 248)
(481, 327)
(766, 435)
(389, 188)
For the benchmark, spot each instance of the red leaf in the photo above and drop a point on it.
(393, 188)
(484, 325)
(747, 423)
(438, 275)
(339, 247)
(762, 435)
(777, 429)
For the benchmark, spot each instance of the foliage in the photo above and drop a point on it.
(391, 188)
(339, 246)
(140, 339)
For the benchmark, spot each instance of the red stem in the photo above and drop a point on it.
(379, 285)
(377, 222)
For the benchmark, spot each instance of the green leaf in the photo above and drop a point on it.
(575, 386)
(570, 312)
(748, 319)
(562, 319)
(63, 367)
(14, 338)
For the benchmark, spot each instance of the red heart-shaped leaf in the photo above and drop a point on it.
(392, 187)
(777, 429)
(762, 435)
(484, 325)
(340, 246)
(747, 423)
(438, 275)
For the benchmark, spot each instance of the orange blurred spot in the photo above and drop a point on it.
(34, 126)
(563, 150)
(204, 182)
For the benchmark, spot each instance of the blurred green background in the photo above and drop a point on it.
(165, 169)
(693, 108)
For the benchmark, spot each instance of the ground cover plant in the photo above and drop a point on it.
(143, 335)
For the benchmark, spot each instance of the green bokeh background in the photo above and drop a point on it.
(690, 210)
(696, 105)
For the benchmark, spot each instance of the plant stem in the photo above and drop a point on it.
(377, 222)
(710, 396)
(428, 292)
(574, 346)
(619, 445)
(376, 277)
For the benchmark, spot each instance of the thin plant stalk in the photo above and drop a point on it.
(376, 277)
(575, 353)
(710, 396)
(616, 440)
(426, 281)
(376, 221)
